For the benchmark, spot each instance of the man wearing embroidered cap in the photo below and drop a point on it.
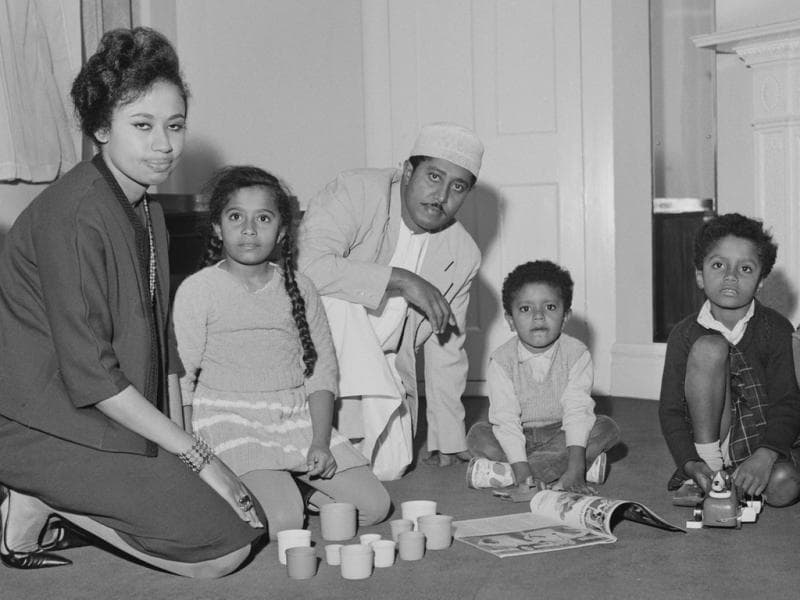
(394, 269)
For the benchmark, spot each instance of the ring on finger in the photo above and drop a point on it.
(245, 502)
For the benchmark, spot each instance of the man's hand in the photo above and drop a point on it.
(424, 296)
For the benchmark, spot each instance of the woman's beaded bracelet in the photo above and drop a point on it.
(198, 456)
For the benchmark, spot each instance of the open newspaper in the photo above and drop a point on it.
(557, 521)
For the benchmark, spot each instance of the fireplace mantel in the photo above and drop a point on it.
(739, 41)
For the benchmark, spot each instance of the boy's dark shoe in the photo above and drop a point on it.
(689, 494)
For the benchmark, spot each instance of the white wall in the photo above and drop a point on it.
(277, 84)
(616, 122)
(735, 159)
(630, 44)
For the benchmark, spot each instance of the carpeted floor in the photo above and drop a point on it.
(757, 561)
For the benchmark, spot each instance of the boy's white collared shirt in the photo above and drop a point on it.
(734, 336)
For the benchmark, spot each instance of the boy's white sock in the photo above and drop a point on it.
(711, 453)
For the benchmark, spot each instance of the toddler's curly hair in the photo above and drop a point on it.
(539, 271)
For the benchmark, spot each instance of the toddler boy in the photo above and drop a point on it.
(541, 413)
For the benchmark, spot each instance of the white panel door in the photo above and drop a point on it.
(510, 69)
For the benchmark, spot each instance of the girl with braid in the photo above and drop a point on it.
(261, 371)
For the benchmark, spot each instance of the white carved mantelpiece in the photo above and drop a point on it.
(772, 55)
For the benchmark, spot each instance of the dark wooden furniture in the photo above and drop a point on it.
(186, 216)
(675, 292)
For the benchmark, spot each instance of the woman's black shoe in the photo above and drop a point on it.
(31, 560)
(26, 560)
(64, 538)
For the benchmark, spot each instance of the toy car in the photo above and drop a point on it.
(723, 506)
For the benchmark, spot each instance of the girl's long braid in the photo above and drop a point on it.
(298, 304)
(219, 189)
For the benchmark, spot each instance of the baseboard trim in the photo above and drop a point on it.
(636, 370)
(476, 388)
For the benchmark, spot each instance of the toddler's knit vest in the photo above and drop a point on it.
(540, 401)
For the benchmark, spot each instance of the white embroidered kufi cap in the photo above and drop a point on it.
(452, 142)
